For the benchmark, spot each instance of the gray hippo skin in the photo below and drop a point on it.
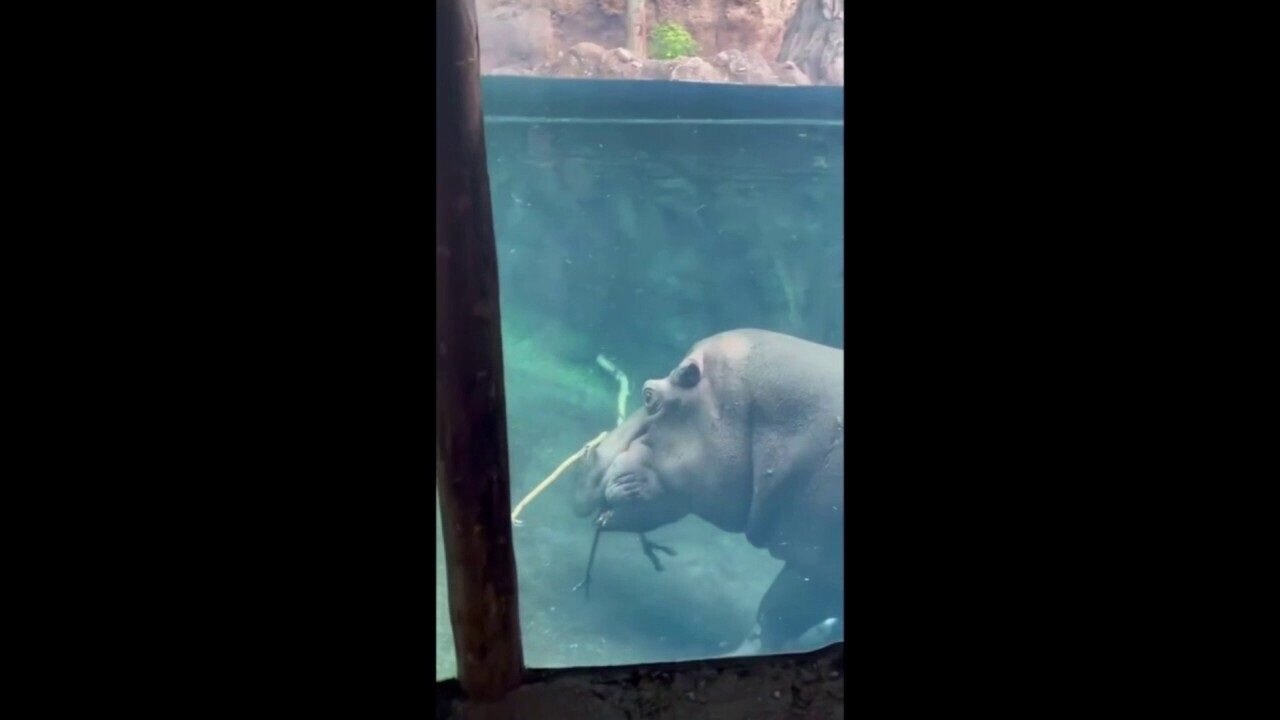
(747, 432)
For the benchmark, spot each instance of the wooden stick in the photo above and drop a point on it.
(591, 559)
(552, 477)
(624, 386)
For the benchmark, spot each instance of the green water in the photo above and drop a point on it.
(634, 226)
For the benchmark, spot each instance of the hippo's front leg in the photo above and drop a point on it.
(794, 603)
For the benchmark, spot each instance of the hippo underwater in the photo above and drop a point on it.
(747, 432)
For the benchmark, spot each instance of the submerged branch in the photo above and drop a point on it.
(591, 559)
(552, 477)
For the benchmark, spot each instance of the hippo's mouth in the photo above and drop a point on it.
(627, 487)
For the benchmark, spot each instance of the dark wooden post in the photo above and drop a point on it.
(472, 474)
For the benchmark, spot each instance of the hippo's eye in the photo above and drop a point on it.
(686, 376)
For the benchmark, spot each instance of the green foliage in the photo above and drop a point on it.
(670, 40)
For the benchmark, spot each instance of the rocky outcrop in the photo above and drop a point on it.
(580, 61)
(694, 70)
(746, 25)
(789, 74)
(752, 69)
(620, 63)
(515, 36)
(589, 60)
(815, 41)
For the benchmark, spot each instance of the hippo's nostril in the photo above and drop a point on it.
(650, 400)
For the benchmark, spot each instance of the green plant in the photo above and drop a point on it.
(670, 40)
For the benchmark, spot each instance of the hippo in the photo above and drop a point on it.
(747, 432)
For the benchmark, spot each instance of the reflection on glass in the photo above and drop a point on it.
(632, 223)
(446, 660)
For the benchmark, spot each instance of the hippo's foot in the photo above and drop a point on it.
(820, 635)
(749, 646)
(797, 612)
(649, 547)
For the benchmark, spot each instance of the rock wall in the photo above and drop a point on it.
(739, 40)
(719, 25)
(589, 60)
(814, 41)
(515, 34)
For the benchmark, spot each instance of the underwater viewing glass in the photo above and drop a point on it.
(635, 218)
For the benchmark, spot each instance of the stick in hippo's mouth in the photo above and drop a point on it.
(645, 544)
(601, 520)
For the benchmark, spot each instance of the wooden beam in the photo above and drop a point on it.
(471, 424)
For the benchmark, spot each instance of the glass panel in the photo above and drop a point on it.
(634, 219)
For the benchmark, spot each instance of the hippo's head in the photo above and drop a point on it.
(665, 460)
(747, 433)
(620, 476)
